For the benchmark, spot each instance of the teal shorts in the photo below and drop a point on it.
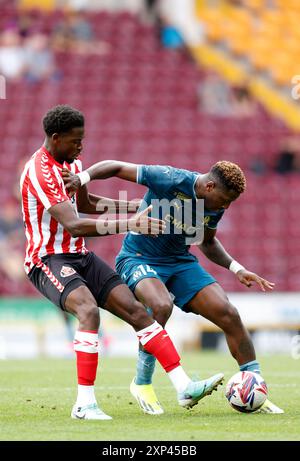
(182, 279)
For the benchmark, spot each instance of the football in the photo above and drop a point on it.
(246, 391)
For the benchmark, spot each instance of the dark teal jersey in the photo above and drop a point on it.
(176, 186)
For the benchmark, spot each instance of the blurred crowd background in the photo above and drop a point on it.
(181, 82)
(129, 69)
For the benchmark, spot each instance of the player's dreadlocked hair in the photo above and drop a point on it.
(230, 175)
(61, 119)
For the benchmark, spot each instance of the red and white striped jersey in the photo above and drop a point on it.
(42, 187)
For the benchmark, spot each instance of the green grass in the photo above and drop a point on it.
(37, 396)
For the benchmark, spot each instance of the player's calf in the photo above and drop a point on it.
(240, 344)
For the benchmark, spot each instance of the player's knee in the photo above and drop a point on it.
(88, 316)
(230, 318)
(84, 306)
(162, 310)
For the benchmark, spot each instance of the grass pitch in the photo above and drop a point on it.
(37, 397)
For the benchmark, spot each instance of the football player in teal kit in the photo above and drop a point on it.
(155, 267)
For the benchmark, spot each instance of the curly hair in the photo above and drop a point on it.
(61, 119)
(230, 175)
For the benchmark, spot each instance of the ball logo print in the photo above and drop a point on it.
(246, 391)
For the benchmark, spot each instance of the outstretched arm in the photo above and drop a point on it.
(109, 168)
(65, 214)
(100, 170)
(214, 250)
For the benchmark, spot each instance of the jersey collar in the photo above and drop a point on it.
(194, 187)
(52, 160)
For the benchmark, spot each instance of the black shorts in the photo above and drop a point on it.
(62, 273)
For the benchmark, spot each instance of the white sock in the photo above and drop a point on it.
(85, 396)
(179, 379)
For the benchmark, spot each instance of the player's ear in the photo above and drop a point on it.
(55, 136)
(210, 185)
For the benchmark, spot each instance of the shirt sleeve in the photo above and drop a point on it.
(46, 185)
(162, 179)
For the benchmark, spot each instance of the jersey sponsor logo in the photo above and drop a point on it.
(182, 196)
(177, 205)
(180, 225)
(67, 271)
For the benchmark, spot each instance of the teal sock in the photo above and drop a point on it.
(251, 366)
(146, 364)
(145, 368)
